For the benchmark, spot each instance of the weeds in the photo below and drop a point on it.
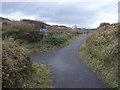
(20, 40)
(100, 51)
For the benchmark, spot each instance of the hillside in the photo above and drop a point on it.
(100, 52)
(22, 38)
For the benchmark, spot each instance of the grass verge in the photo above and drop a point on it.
(100, 52)
(19, 71)
(23, 38)
(39, 78)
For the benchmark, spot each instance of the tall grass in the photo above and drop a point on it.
(15, 62)
(20, 40)
(100, 51)
(57, 40)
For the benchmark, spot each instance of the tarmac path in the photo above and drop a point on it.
(69, 71)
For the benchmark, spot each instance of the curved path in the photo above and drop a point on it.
(68, 69)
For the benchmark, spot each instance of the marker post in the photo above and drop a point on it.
(45, 34)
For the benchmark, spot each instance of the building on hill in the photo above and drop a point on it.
(74, 27)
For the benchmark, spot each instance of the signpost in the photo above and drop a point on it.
(44, 33)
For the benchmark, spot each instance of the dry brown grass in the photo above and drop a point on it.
(100, 51)
(18, 70)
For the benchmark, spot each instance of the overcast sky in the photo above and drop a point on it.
(83, 13)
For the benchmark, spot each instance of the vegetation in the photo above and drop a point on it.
(100, 52)
(20, 40)
(19, 71)
(57, 40)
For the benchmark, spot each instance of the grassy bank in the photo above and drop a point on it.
(52, 43)
(20, 40)
(19, 71)
(100, 52)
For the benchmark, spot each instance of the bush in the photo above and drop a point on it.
(56, 40)
(16, 64)
(101, 48)
(59, 39)
(33, 36)
(103, 24)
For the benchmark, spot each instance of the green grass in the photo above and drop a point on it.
(19, 71)
(57, 40)
(20, 40)
(16, 63)
(40, 78)
(100, 52)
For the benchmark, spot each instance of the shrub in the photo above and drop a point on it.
(103, 24)
(101, 48)
(59, 39)
(16, 63)
(33, 36)
(56, 40)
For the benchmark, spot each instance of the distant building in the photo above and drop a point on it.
(74, 27)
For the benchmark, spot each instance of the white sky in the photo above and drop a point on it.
(94, 12)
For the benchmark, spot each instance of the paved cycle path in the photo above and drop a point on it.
(68, 69)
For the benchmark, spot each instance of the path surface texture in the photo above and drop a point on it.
(69, 71)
